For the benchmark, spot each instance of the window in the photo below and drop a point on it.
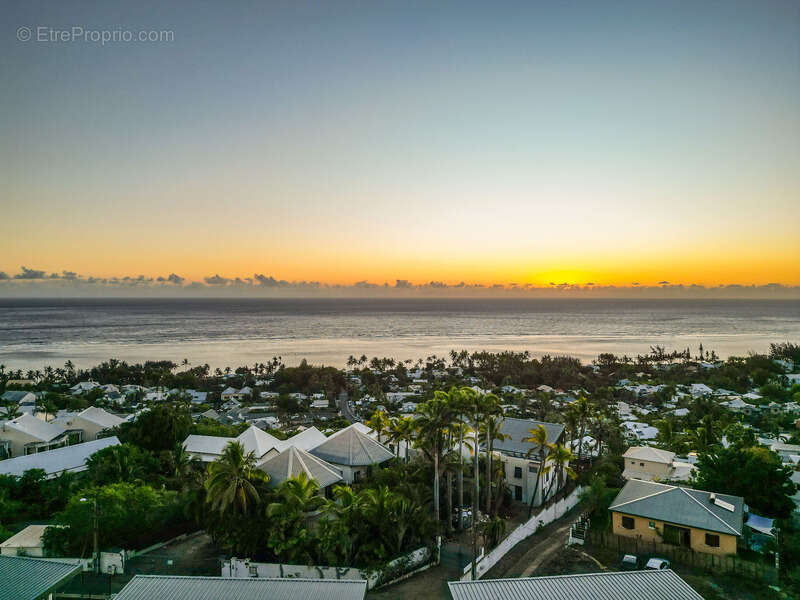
(651, 525)
(518, 472)
(641, 464)
(628, 523)
(517, 493)
(712, 540)
(633, 462)
(253, 571)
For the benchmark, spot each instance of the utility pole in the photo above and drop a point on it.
(96, 540)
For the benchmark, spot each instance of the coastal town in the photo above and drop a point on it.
(473, 475)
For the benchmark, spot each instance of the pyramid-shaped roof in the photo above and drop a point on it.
(293, 461)
(352, 448)
(682, 506)
(307, 439)
(258, 441)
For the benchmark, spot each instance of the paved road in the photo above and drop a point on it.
(347, 408)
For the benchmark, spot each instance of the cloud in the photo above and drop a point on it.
(32, 282)
(30, 274)
(216, 280)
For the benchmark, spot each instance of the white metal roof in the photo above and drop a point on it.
(625, 585)
(162, 587)
(69, 458)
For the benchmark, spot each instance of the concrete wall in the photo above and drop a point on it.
(657, 470)
(697, 539)
(528, 479)
(544, 517)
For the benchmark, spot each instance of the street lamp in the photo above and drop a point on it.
(96, 526)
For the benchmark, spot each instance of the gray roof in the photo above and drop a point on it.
(293, 461)
(162, 587)
(630, 585)
(352, 448)
(15, 396)
(520, 429)
(681, 506)
(53, 462)
(31, 578)
(34, 427)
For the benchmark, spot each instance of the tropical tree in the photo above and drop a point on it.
(492, 429)
(233, 482)
(434, 417)
(538, 436)
(558, 461)
(379, 423)
(401, 430)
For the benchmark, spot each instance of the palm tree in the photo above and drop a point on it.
(434, 416)
(11, 410)
(582, 410)
(298, 495)
(379, 423)
(401, 430)
(493, 430)
(538, 436)
(233, 481)
(558, 461)
(459, 402)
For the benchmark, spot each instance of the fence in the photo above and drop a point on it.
(395, 569)
(544, 517)
(686, 557)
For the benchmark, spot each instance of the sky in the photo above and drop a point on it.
(516, 144)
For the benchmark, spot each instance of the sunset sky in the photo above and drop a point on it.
(577, 142)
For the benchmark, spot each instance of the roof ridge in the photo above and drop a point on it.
(671, 487)
(709, 511)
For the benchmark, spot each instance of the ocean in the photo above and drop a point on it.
(233, 332)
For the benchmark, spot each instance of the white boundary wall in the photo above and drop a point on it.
(545, 517)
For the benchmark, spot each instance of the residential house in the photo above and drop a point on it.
(789, 453)
(70, 459)
(27, 542)
(209, 448)
(231, 393)
(654, 464)
(352, 452)
(521, 459)
(83, 387)
(28, 435)
(738, 405)
(293, 461)
(25, 400)
(699, 389)
(93, 422)
(657, 512)
(622, 585)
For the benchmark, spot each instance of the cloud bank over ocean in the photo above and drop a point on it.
(30, 282)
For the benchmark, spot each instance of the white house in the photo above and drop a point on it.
(93, 422)
(28, 435)
(521, 458)
(352, 452)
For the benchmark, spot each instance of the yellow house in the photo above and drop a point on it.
(668, 514)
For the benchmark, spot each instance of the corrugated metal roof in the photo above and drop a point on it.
(53, 462)
(630, 585)
(350, 447)
(681, 506)
(519, 429)
(34, 427)
(30, 578)
(159, 587)
(293, 461)
(258, 441)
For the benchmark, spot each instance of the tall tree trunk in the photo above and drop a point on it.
(460, 472)
(436, 487)
(449, 501)
(475, 495)
(488, 470)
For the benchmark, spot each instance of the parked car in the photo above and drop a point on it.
(657, 564)
(629, 562)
